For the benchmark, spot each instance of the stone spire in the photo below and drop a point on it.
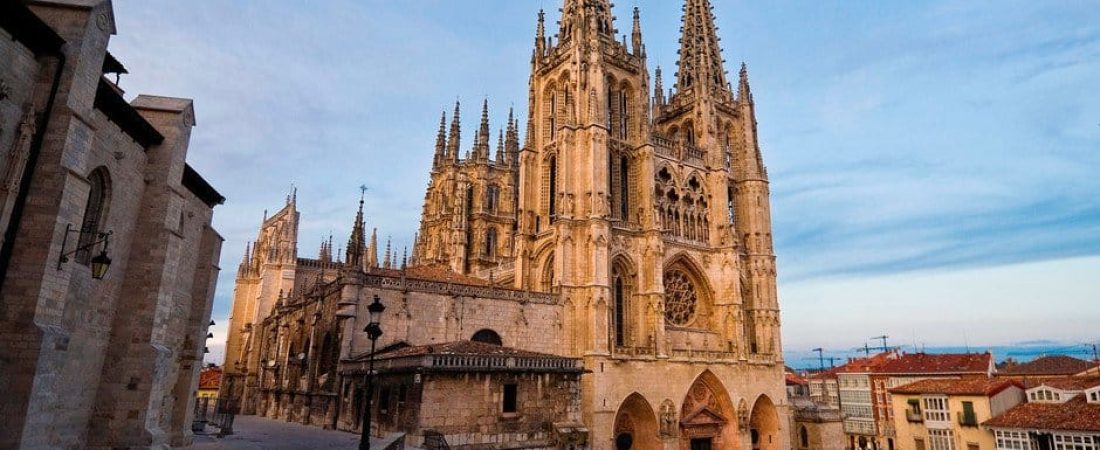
(357, 241)
(386, 257)
(325, 255)
(636, 37)
(744, 94)
(481, 151)
(455, 137)
(540, 37)
(246, 262)
(700, 65)
(372, 250)
(500, 148)
(441, 142)
(511, 139)
(658, 88)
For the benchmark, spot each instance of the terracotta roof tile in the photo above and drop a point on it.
(1049, 365)
(1069, 384)
(1074, 415)
(974, 386)
(210, 378)
(865, 365)
(794, 379)
(927, 363)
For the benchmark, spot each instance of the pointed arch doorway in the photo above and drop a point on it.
(708, 420)
(636, 425)
(764, 425)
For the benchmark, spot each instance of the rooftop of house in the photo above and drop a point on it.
(865, 365)
(928, 363)
(1074, 415)
(1049, 366)
(1073, 384)
(987, 387)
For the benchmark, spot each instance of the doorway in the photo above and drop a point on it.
(700, 444)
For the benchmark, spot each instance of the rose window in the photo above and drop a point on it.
(680, 298)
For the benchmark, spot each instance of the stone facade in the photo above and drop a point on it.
(631, 231)
(85, 362)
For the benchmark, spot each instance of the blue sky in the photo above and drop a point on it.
(934, 165)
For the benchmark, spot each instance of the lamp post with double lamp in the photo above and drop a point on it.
(374, 331)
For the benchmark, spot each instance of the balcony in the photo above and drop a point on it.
(968, 419)
(913, 416)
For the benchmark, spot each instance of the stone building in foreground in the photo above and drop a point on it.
(628, 235)
(92, 358)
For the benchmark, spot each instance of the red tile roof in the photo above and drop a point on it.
(210, 378)
(974, 386)
(1074, 415)
(1069, 384)
(866, 365)
(927, 363)
(1049, 365)
(793, 379)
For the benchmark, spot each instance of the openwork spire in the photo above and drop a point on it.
(454, 140)
(357, 241)
(481, 151)
(441, 142)
(700, 65)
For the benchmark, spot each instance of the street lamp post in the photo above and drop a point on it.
(374, 331)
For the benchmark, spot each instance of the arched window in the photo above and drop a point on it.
(803, 437)
(552, 187)
(487, 336)
(552, 115)
(624, 188)
(492, 198)
(491, 242)
(546, 283)
(620, 312)
(95, 213)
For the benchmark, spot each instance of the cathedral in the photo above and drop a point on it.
(606, 282)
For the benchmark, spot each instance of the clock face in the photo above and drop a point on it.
(302, 356)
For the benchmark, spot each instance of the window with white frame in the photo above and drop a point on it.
(1012, 440)
(1044, 395)
(941, 440)
(1073, 442)
(935, 410)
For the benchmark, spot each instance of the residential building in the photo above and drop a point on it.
(912, 367)
(1060, 414)
(629, 231)
(944, 414)
(824, 389)
(857, 400)
(108, 259)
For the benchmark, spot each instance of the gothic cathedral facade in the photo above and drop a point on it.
(630, 231)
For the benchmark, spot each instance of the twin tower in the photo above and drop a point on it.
(654, 207)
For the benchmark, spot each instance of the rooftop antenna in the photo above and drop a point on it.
(883, 338)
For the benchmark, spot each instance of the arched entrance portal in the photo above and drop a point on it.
(764, 425)
(636, 425)
(707, 418)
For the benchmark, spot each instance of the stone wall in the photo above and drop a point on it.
(111, 362)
